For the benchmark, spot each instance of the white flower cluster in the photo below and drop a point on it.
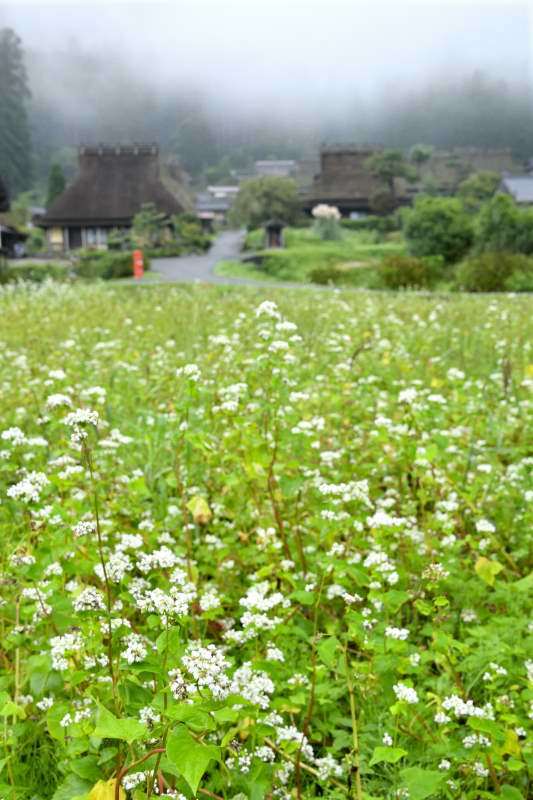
(462, 708)
(475, 740)
(77, 420)
(136, 648)
(396, 633)
(323, 211)
(207, 666)
(90, 599)
(405, 693)
(254, 686)
(63, 646)
(29, 488)
(189, 371)
(83, 528)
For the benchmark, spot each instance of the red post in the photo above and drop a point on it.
(138, 264)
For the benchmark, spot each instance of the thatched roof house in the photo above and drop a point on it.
(344, 181)
(112, 185)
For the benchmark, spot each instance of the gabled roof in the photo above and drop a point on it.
(520, 187)
(112, 185)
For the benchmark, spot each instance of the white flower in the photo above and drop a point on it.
(387, 740)
(397, 633)
(405, 693)
(484, 526)
(90, 599)
(29, 488)
(83, 528)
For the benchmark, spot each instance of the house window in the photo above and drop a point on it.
(96, 237)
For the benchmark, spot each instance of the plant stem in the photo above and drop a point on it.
(357, 789)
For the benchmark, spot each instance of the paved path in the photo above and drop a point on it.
(226, 247)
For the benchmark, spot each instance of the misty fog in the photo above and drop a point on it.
(278, 77)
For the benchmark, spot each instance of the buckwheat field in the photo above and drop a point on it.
(264, 548)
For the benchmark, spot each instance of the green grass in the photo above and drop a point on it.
(240, 269)
(305, 252)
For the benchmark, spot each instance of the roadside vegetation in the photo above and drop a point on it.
(264, 544)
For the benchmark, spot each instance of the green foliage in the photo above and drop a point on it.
(265, 198)
(504, 226)
(106, 265)
(15, 140)
(496, 272)
(189, 234)
(387, 165)
(264, 542)
(150, 227)
(56, 184)
(403, 272)
(437, 226)
(478, 188)
(37, 273)
(420, 154)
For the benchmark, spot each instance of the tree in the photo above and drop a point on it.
(438, 226)
(56, 184)
(149, 226)
(388, 165)
(501, 226)
(261, 199)
(4, 197)
(15, 139)
(420, 154)
(478, 187)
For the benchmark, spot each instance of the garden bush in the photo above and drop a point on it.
(106, 264)
(438, 226)
(37, 273)
(496, 272)
(402, 272)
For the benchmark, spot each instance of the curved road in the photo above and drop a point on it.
(226, 247)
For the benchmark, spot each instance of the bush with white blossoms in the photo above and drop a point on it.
(327, 220)
(264, 544)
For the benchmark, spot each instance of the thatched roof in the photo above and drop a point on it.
(112, 185)
(344, 180)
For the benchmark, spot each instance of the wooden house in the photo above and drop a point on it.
(112, 185)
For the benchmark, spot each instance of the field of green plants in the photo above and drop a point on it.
(264, 544)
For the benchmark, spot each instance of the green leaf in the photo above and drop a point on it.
(510, 793)
(190, 756)
(390, 755)
(487, 570)
(327, 649)
(421, 783)
(195, 718)
(86, 767)
(524, 585)
(305, 598)
(514, 765)
(423, 607)
(72, 788)
(201, 513)
(109, 727)
(11, 709)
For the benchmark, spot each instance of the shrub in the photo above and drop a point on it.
(402, 272)
(502, 226)
(325, 275)
(37, 273)
(264, 198)
(496, 272)
(165, 250)
(106, 265)
(438, 226)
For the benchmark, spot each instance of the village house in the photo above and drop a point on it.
(112, 186)
(346, 182)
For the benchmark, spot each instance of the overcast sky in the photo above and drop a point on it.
(253, 52)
